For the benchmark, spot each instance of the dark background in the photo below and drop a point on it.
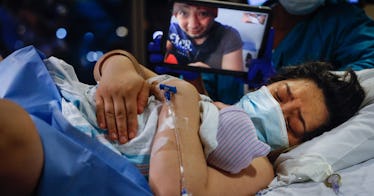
(90, 28)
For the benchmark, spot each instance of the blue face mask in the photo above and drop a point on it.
(267, 117)
(301, 7)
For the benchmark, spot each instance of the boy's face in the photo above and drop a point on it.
(195, 21)
(303, 106)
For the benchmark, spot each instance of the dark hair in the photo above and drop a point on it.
(342, 92)
(179, 5)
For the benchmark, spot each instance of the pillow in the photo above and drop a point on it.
(346, 145)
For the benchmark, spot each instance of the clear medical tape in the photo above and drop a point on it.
(176, 123)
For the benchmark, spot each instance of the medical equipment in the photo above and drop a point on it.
(334, 181)
(168, 92)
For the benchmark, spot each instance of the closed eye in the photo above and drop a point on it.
(288, 126)
(289, 93)
(277, 97)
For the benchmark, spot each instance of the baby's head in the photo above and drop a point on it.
(237, 140)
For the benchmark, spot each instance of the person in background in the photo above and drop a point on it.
(321, 30)
(196, 39)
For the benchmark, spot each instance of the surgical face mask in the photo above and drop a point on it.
(301, 7)
(267, 116)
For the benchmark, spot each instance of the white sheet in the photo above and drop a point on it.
(356, 180)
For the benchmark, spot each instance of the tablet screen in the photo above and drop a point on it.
(221, 36)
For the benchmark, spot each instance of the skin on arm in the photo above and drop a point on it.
(21, 151)
(230, 61)
(233, 60)
(200, 179)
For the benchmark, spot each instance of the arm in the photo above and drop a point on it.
(121, 95)
(233, 60)
(230, 61)
(20, 145)
(200, 179)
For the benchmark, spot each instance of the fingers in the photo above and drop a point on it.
(132, 121)
(100, 116)
(111, 115)
(110, 119)
(117, 112)
(155, 90)
(120, 118)
(142, 98)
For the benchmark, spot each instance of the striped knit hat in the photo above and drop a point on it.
(237, 140)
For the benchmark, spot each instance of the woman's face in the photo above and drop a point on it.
(194, 20)
(303, 106)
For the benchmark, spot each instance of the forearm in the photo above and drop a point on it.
(200, 179)
(119, 61)
(165, 167)
(233, 61)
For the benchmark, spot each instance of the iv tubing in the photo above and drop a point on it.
(168, 91)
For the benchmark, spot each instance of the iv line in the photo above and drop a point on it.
(168, 91)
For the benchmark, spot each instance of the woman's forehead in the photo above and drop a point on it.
(300, 83)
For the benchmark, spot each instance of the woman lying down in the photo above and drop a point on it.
(193, 145)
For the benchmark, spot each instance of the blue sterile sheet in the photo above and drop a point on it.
(74, 163)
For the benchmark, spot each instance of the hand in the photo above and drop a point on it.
(120, 96)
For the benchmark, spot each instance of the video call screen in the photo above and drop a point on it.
(251, 22)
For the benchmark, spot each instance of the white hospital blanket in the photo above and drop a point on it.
(78, 107)
(356, 180)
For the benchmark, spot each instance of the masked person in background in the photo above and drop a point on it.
(196, 39)
(321, 30)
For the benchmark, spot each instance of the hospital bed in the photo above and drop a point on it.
(347, 150)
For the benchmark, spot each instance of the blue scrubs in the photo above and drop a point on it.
(342, 34)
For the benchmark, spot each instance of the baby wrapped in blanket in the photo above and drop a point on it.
(228, 136)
